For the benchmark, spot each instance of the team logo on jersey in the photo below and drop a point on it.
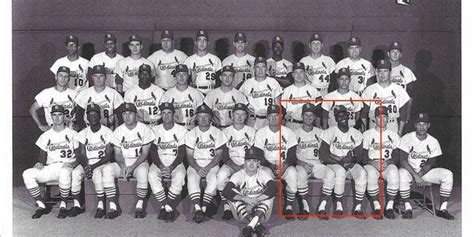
(183, 104)
(204, 68)
(224, 106)
(309, 143)
(390, 100)
(262, 93)
(242, 68)
(145, 102)
(131, 72)
(375, 145)
(317, 71)
(62, 145)
(239, 143)
(138, 142)
(169, 145)
(276, 146)
(420, 155)
(205, 144)
(306, 96)
(255, 190)
(349, 145)
(98, 146)
(167, 66)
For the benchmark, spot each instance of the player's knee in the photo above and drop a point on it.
(29, 174)
(447, 176)
(404, 176)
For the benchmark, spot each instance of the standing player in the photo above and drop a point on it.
(371, 159)
(184, 98)
(319, 66)
(308, 163)
(222, 99)
(298, 91)
(127, 68)
(278, 67)
(268, 140)
(261, 92)
(108, 59)
(132, 141)
(203, 64)
(418, 154)
(60, 94)
(146, 97)
(240, 60)
(167, 153)
(165, 60)
(57, 159)
(251, 192)
(240, 138)
(204, 145)
(362, 70)
(341, 149)
(77, 65)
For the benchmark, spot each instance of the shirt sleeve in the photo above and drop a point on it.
(42, 142)
(291, 139)
(149, 136)
(81, 99)
(116, 138)
(118, 68)
(358, 105)
(41, 98)
(327, 135)
(366, 142)
(209, 100)
(182, 139)
(259, 140)
(237, 178)
(405, 143)
(435, 149)
(75, 142)
(81, 136)
(118, 99)
(190, 139)
(54, 67)
(221, 139)
(404, 97)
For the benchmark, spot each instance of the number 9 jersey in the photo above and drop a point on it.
(95, 142)
(58, 145)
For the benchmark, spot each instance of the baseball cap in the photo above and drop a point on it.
(204, 109)
(98, 69)
(384, 64)
(314, 37)
(167, 34)
(260, 60)
(202, 33)
(353, 41)
(144, 67)
(63, 69)
(240, 36)
(110, 37)
(72, 38)
(93, 107)
(422, 117)
(129, 107)
(395, 45)
(181, 68)
(240, 106)
(134, 38)
(228, 68)
(57, 108)
(298, 65)
(253, 153)
(166, 105)
(340, 109)
(308, 107)
(277, 39)
(344, 71)
(384, 111)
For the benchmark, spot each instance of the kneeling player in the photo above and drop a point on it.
(251, 192)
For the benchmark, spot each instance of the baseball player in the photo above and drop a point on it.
(371, 158)
(319, 67)
(222, 99)
(298, 91)
(261, 92)
(361, 70)
(393, 96)
(240, 60)
(77, 65)
(165, 60)
(268, 140)
(418, 154)
(127, 68)
(278, 67)
(168, 152)
(107, 98)
(204, 146)
(240, 138)
(340, 150)
(108, 58)
(203, 65)
(60, 94)
(146, 97)
(251, 192)
(132, 141)
(348, 97)
(308, 163)
(184, 98)
(57, 159)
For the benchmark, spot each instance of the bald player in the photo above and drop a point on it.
(240, 60)
(222, 99)
(278, 67)
(204, 146)
(203, 65)
(78, 65)
(261, 92)
(165, 60)
(184, 98)
(319, 67)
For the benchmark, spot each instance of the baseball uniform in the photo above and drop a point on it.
(147, 102)
(294, 109)
(165, 63)
(242, 66)
(352, 106)
(50, 96)
(402, 76)
(361, 71)
(109, 64)
(185, 104)
(281, 68)
(222, 104)
(203, 70)
(78, 80)
(127, 69)
(108, 100)
(319, 71)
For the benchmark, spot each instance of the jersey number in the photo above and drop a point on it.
(79, 82)
(392, 108)
(283, 155)
(210, 76)
(246, 76)
(66, 153)
(212, 151)
(268, 101)
(316, 152)
(189, 112)
(153, 110)
(101, 154)
(137, 152)
(387, 154)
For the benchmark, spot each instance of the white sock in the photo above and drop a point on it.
(62, 204)
(253, 222)
(390, 204)
(376, 205)
(197, 207)
(100, 205)
(112, 206)
(357, 208)
(139, 204)
(76, 203)
(40, 204)
(168, 208)
(339, 206)
(226, 206)
(407, 206)
(322, 206)
(204, 208)
(305, 205)
(444, 205)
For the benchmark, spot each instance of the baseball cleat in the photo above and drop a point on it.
(247, 231)
(40, 212)
(408, 214)
(303, 215)
(169, 216)
(139, 213)
(338, 213)
(444, 214)
(323, 212)
(377, 214)
(227, 215)
(162, 214)
(198, 216)
(99, 213)
(357, 214)
(288, 212)
(260, 230)
(112, 214)
(389, 213)
(63, 213)
(75, 211)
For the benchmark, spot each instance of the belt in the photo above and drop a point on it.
(389, 121)
(258, 116)
(221, 127)
(204, 87)
(322, 89)
(295, 121)
(182, 124)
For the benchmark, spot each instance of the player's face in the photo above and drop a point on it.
(299, 75)
(98, 79)
(182, 78)
(72, 48)
(135, 47)
(394, 55)
(344, 81)
(110, 47)
(167, 44)
(240, 46)
(316, 46)
(144, 77)
(94, 118)
(384, 121)
(383, 75)
(354, 51)
(422, 128)
(129, 117)
(342, 118)
(201, 43)
(227, 78)
(272, 119)
(239, 117)
(260, 70)
(62, 78)
(204, 119)
(58, 118)
(308, 118)
(251, 165)
(277, 49)
(167, 116)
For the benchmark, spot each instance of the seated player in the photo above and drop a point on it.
(251, 192)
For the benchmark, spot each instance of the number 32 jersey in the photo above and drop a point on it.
(205, 144)
(419, 151)
(58, 145)
(95, 142)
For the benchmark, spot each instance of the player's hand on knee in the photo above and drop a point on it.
(38, 165)
(418, 181)
(166, 172)
(202, 172)
(44, 128)
(88, 171)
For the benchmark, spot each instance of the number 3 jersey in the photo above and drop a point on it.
(205, 144)
(393, 96)
(269, 142)
(340, 143)
(108, 100)
(390, 141)
(419, 150)
(168, 142)
(238, 142)
(95, 142)
(58, 145)
(147, 102)
(361, 71)
(261, 94)
(131, 141)
(308, 145)
(251, 186)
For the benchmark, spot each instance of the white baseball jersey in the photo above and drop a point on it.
(205, 144)
(168, 142)
(147, 101)
(261, 94)
(282, 67)
(339, 142)
(269, 142)
(352, 106)
(238, 142)
(204, 68)
(50, 96)
(132, 141)
(251, 186)
(95, 142)
(108, 100)
(127, 69)
(361, 71)
(319, 70)
(58, 145)
(402, 76)
(185, 104)
(308, 145)
(222, 103)
(390, 141)
(78, 72)
(243, 67)
(165, 63)
(109, 64)
(305, 92)
(419, 151)
(392, 96)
